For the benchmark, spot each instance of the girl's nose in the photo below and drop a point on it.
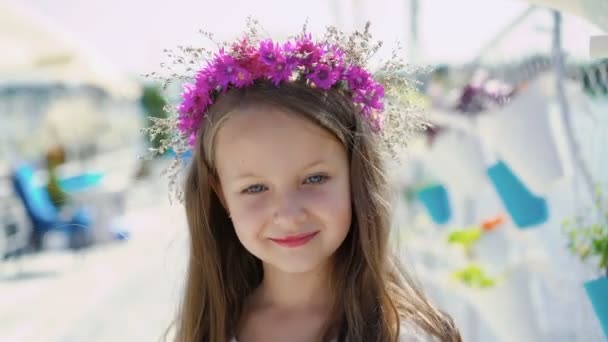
(289, 211)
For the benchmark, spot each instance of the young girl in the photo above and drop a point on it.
(286, 199)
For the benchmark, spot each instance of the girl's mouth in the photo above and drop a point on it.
(295, 240)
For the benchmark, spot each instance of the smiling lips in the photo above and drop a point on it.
(295, 240)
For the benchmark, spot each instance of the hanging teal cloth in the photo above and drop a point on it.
(526, 209)
(436, 201)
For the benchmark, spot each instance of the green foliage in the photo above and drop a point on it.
(474, 276)
(154, 105)
(465, 237)
(58, 196)
(588, 238)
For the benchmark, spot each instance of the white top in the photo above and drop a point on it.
(408, 333)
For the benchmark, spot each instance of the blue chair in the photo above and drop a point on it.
(43, 214)
(81, 182)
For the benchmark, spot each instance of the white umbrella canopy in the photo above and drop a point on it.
(34, 48)
(596, 11)
(71, 121)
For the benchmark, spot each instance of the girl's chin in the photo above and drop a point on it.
(305, 265)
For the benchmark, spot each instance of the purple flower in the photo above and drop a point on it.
(194, 100)
(189, 123)
(188, 99)
(323, 76)
(371, 98)
(269, 52)
(185, 123)
(242, 78)
(192, 139)
(357, 78)
(241, 64)
(333, 56)
(207, 78)
(291, 54)
(227, 71)
(280, 71)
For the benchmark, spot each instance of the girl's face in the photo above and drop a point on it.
(285, 182)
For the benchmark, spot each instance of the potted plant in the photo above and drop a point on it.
(588, 239)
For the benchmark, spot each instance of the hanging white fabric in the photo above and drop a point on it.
(598, 47)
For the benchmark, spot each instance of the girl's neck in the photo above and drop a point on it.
(309, 291)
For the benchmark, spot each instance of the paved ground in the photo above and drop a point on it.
(124, 291)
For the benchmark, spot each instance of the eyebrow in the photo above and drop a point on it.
(306, 167)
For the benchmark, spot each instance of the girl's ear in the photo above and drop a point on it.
(217, 188)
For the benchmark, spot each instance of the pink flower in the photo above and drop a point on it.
(242, 48)
(253, 65)
(308, 51)
(323, 76)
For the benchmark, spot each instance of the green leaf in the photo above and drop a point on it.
(465, 237)
(474, 276)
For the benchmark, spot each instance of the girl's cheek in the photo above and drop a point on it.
(252, 204)
(250, 210)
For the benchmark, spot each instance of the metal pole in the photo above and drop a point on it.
(560, 71)
(414, 43)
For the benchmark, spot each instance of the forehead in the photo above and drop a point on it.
(264, 137)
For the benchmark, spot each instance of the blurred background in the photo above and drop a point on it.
(91, 249)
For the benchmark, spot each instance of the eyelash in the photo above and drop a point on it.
(248, 191)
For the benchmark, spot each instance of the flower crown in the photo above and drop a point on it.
(336, 61)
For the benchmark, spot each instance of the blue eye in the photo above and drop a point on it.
(254, 189)
(316, 179)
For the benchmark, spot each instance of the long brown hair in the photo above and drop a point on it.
(372, 294)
